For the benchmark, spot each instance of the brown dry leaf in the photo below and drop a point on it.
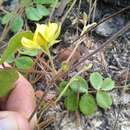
(66, 52)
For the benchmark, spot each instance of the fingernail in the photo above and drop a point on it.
(7, 122)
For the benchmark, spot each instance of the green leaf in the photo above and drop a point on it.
(7, 17)
(48, 2)
(108, 84)
(71, 102)
(27, 52)
(96, 80)
(24, 62)
(8, 77)
(87, 105)
(17, 24)
(103, 100)
(62, 85)
(35, 14)
(14, 44)
(10, 59)
(42, 10)
(25, 3)
(32, 14)
(79, 84)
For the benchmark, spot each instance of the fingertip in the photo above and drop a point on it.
(22, 98)
(13, 121)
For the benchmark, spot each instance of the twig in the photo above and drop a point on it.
(113, 15)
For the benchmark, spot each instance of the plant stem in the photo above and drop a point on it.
(53, 9)
(67, 86)
(52, 64)
(68, 11)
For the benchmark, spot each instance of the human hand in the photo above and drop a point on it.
(17, 107)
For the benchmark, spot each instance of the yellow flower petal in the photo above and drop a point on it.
(41, 28)
(38, 38)
(53, 27)
(27, 43)
(53, 42)
(51, 31)
(58, 31)
(44, 37)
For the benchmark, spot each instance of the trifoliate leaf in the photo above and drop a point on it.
(87, 104)
(96, 80)
(17, 24)
(79, 84)
(10, 59)
(62, 85)
(35, 14)
(71, 102)
(14, 44)
(108, 84)
(25, 3)
(42, 10)
(103, 100)
(7, 17)
(48, 2)
(24, 62)
(28, 52)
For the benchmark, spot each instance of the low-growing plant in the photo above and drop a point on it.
(33, 10)
(28, 44)
(23, 46)
(86, 102)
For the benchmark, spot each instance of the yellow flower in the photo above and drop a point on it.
(44, 37)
